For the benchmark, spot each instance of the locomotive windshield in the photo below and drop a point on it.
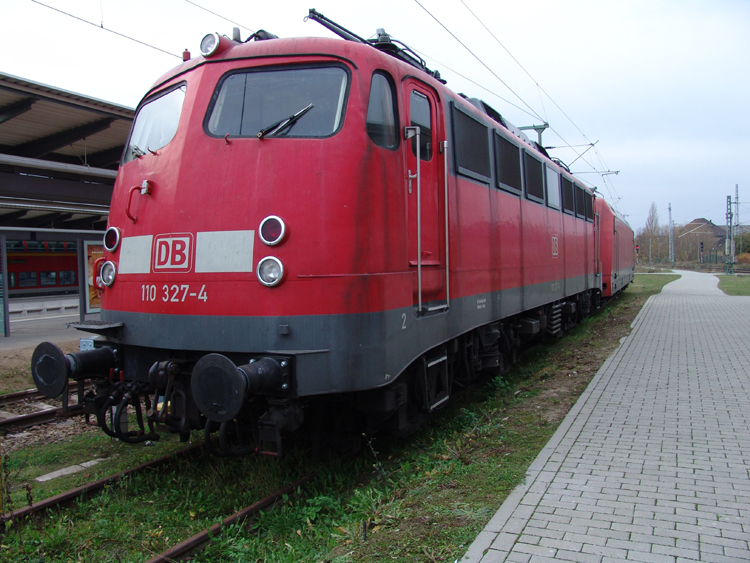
(156, 123)
(249, 102)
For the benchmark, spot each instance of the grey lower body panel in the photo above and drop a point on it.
(621, 278)
(333, 353)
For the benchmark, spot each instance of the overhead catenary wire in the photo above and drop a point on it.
(441, 24)
(101, 26)
(475, 83)
(686, 219)
(533, 112)
(608, 184)
(536, 83)
(219, 15)
(584, 152)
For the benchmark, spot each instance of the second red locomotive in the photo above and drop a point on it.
(300, 224)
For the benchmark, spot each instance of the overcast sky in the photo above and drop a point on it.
(663, 86)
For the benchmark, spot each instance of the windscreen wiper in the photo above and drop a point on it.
(283, 124)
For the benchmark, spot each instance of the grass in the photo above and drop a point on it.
(424, 498)
(23, 466)
(15, 372)
(735, 285)
(16, 379)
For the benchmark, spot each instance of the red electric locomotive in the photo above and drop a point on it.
(320, 229)
(617, 249)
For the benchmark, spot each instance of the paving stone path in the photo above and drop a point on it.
(652, 462)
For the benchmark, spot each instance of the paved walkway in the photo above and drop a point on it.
(652, 462)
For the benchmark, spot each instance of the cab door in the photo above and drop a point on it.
(616, 250)
(425, 158)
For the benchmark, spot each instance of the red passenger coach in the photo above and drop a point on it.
(37, 268)
(320, 229)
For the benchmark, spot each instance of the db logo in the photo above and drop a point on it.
(173, 252)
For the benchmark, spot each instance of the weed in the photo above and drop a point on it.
(377, 465)
(497, 386)
(6, 480)
(29, 495)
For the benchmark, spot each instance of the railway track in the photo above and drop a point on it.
(87, 490)
(198, 540)
(195, 542)
(20, 396)
(36, 418)
(10, 421)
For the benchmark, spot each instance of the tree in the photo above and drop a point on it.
(653, 239)
(652, 221)
(742, 241)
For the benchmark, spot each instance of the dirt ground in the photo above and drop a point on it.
(561, 388)
(15, 370)
(52, 433)
(15, 375)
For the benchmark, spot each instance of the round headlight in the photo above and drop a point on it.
(111, 238)
(270, 271)
(272, 230)
(107, 273)
(209, 44)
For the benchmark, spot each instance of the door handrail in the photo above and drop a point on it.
(444, 150)
(409, 132)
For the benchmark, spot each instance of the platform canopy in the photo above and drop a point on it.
(59, 153)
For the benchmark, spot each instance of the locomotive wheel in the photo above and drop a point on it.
(572, 320)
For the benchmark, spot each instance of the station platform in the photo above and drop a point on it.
(36, 307)
(652, 463)
(40, 319)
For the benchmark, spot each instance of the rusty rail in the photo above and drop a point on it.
(205, 536)
(18, 396)
(88, 489)
(40, 417)
(37, 418)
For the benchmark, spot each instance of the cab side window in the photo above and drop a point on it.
(382, 118)
(420, 116)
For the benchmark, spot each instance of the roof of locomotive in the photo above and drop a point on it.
(353, 51)
(286, 47)
(619, 216)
